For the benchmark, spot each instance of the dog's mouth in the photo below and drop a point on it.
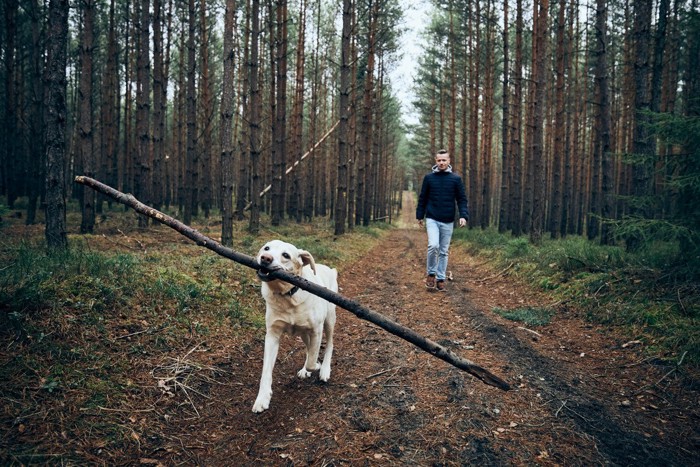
(264, 274)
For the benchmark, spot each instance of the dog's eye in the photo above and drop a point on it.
(286, 255)
(267, 248)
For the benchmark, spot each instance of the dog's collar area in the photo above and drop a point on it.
(292, 291)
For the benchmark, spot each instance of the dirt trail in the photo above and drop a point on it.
(578, 398)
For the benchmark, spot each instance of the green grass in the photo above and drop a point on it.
(650, 292)
(528, 315)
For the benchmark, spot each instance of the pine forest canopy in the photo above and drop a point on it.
(566, 118)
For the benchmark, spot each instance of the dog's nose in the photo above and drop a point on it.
(265, 259)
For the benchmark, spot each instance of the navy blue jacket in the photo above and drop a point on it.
(438, 194)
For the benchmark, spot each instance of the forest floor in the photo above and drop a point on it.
(581, 394)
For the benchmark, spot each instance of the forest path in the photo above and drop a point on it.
(579, 397)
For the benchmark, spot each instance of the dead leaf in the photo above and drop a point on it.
(147, 461)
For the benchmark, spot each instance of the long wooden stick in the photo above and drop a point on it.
(352, 306)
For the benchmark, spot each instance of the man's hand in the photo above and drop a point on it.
(420, 222)
(462, 222)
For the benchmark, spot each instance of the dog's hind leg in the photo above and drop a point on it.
(328, 326)
(272, 344)
(312, 340)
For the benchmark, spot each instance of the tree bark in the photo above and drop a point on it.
(243, 188)
(110, 105)
(87, 224)
(341, 203)
(278, 91)
(602, 145)
(537, 148)
(506, 175)
(36, 151)
(192, 154)
(143, 174)
(226, 125)
(559, 154)
(159, 107)
(350, 305)
(56, 236)
(255, 105)
(642, 145)
(516, 157)
(10, 160)
(206, 111)
(302, 183)
(474, 194)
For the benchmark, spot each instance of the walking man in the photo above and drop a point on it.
(440, 191)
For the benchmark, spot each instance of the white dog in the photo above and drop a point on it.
(291, 310)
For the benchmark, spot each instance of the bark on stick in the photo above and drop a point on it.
(352, 306)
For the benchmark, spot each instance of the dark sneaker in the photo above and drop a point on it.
(441, 286)
(430, 282)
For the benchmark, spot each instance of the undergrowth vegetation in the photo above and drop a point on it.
(654, 291)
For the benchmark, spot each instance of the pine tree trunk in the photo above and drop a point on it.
(603, 120)
(516, 156)
(279, 160)
(474, 169)
(142, 175)
(243, 190)
(538, 160)
(255, 106)
(505, 135)
(487, 123)
(559, 153)
(36, 151)
(192, 154)
(56, 236)
(169, 160)
(10, 160)
(159, 107)
(319, 162)
(452, 122)
(567, 196)
(303, 180)
(182, 131)
(87, 224)
(110, 105)
(364, 187)
(206, 112)
(226, 124)
(341, 202)
(353, 150)
(642, 145)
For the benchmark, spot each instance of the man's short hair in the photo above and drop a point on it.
(442, 151)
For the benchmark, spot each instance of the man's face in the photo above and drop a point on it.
(442, 161)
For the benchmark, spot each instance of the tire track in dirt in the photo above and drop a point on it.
(602, 420)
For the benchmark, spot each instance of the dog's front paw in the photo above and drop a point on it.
(262, 403)
(303, 373)
(325, 373)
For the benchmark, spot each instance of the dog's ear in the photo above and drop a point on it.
(306, 258)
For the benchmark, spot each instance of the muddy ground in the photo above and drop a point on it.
(580, 395)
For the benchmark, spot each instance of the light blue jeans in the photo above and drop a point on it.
(439, 237)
